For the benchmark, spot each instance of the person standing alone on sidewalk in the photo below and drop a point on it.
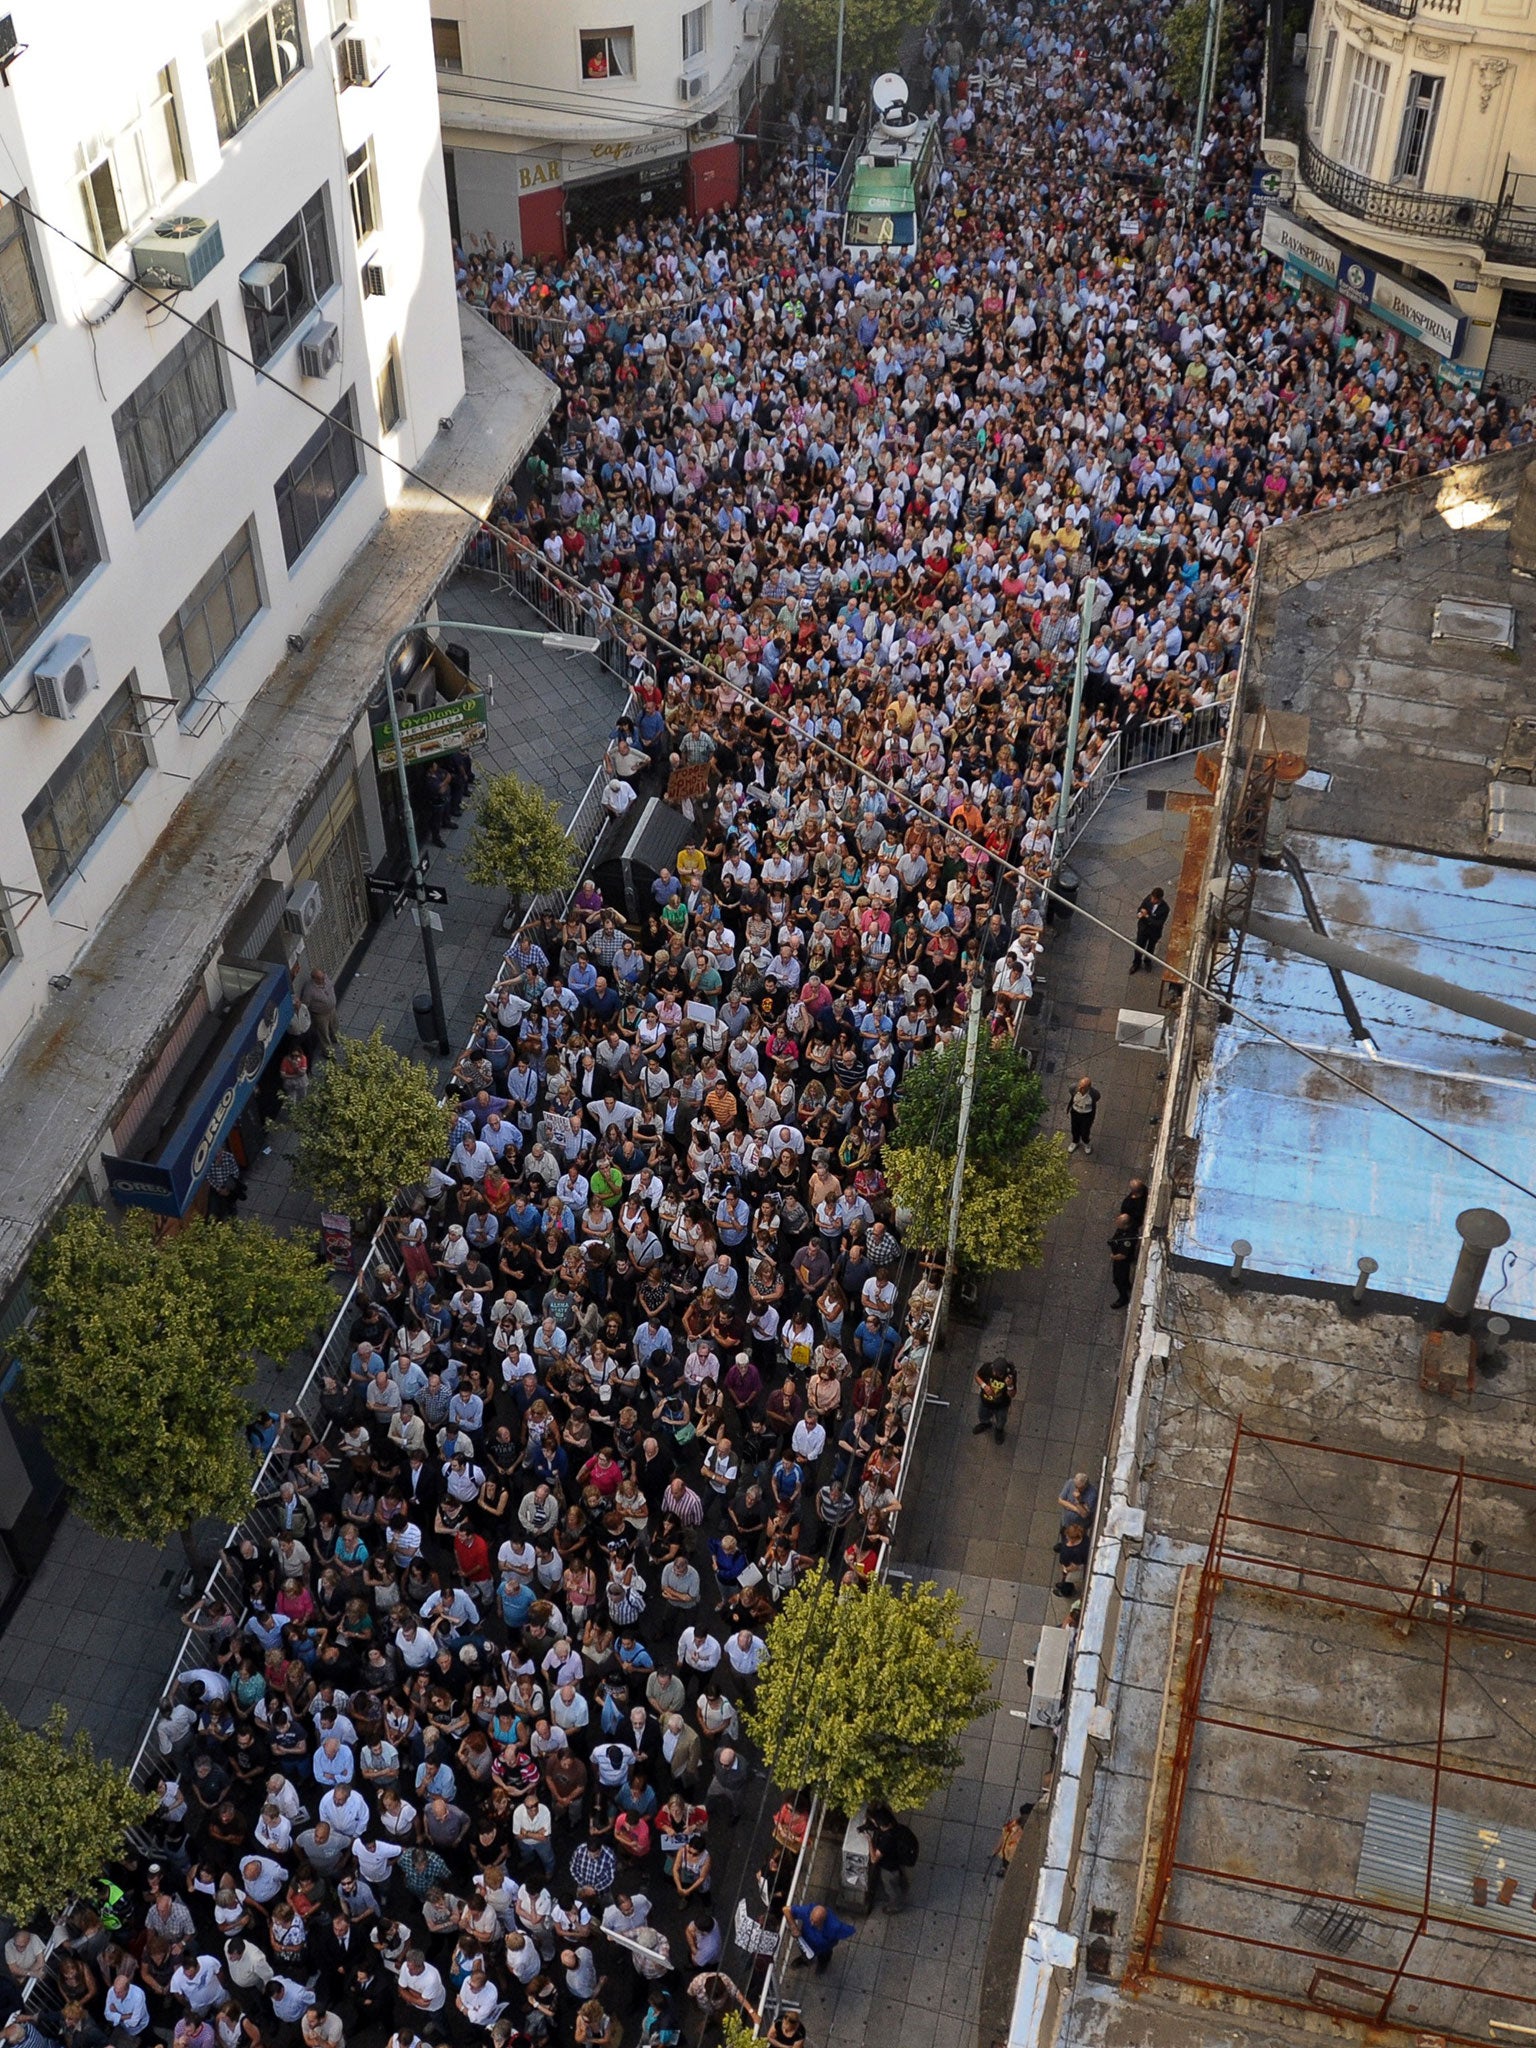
(1081, 1111)
(996, 1385)
(1122, 1258)
(1151, 916)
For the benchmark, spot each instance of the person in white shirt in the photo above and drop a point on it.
(197, 1980)
(697, 1651)
(261, 1879)
(420, 1983)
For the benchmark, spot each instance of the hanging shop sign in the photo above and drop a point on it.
(1307, 254)
(442, 729)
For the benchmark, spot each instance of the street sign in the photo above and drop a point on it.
(446, 728)
(435, 893)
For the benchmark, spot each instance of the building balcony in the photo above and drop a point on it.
(1502, 228)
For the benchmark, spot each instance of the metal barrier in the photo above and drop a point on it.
(1133, 747)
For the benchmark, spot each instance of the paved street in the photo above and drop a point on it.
(983, 1517)
(99, 1627)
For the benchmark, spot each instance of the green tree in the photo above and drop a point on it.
(369, 1126)
(872, 33)
(271, 1292)
(63, 1815)
(1184, 38)
(865, 1694)
(518, 842)
(136, 1363)
(1006, 1206)
(1007, 1105)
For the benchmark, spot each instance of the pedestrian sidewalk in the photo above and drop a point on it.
(983, 1517)
(99, 1627)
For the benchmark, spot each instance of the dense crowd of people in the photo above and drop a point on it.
(465, 1756)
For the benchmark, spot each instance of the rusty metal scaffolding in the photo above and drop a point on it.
(1450, 1587)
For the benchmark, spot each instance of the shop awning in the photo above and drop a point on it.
(203, 1104)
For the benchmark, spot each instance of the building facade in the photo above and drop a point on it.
(556, 126)
(1404, 134)
(248, 430)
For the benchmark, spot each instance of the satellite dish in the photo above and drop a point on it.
(889, 90)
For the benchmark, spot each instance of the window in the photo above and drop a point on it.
(250, 59)
(21, 303)
(1323, 80)
(317, 479)
(222, 604)
(363, 185)
(82, 795)
(695, 32)
(608, 53)
(303, 248)
(126, 176)
(166, 418)
(1417, 135)
(391, 406)
(44, 559)
(1364, 98)
(447, 45)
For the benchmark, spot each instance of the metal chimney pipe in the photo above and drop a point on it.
(1241, 1250)
(1482, 1231)
(1367, 1267)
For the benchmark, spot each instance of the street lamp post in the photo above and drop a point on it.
(570, 643)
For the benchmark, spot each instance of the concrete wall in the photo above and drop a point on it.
(57, 396)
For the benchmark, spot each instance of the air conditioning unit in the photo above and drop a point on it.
(359, 62)
(303, 908)
(692, 88)
(65, 677)
(266, 283)
(320, 350)
(178, 253)
(768, 65)
(374, 281)
(755, 19)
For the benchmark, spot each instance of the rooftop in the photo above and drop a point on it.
(80, 1061)
(1304, 1168)
(1295, 1796)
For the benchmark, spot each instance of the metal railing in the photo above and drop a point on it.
(1133, 747)
(1499, 226)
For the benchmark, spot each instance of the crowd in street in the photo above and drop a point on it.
(466, 1755)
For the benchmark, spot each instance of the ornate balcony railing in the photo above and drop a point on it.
(1505, 231)
(1403, 9)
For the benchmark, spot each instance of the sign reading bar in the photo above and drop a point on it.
(443, 729)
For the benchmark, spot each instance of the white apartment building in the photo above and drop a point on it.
(1405, 133)
(223, 243)
(558, 121)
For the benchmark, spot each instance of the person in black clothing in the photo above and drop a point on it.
(1151, 916)
(1122, 1258)
(996, 1385)
(892, 1851)
(1133, 1203)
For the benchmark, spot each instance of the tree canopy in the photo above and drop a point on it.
(1007, 1105)
(1184, 36)
(63, 1815)
(136, 1362)
(1006, 1206)
(865, 1693)
(518, 842)
(873, 31)
(370, 1125)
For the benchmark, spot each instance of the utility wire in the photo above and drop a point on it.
(580, 592)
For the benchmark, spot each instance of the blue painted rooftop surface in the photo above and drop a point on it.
(1307, 1170)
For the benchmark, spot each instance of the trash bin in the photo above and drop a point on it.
(1068, 882)
(426, 1028)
